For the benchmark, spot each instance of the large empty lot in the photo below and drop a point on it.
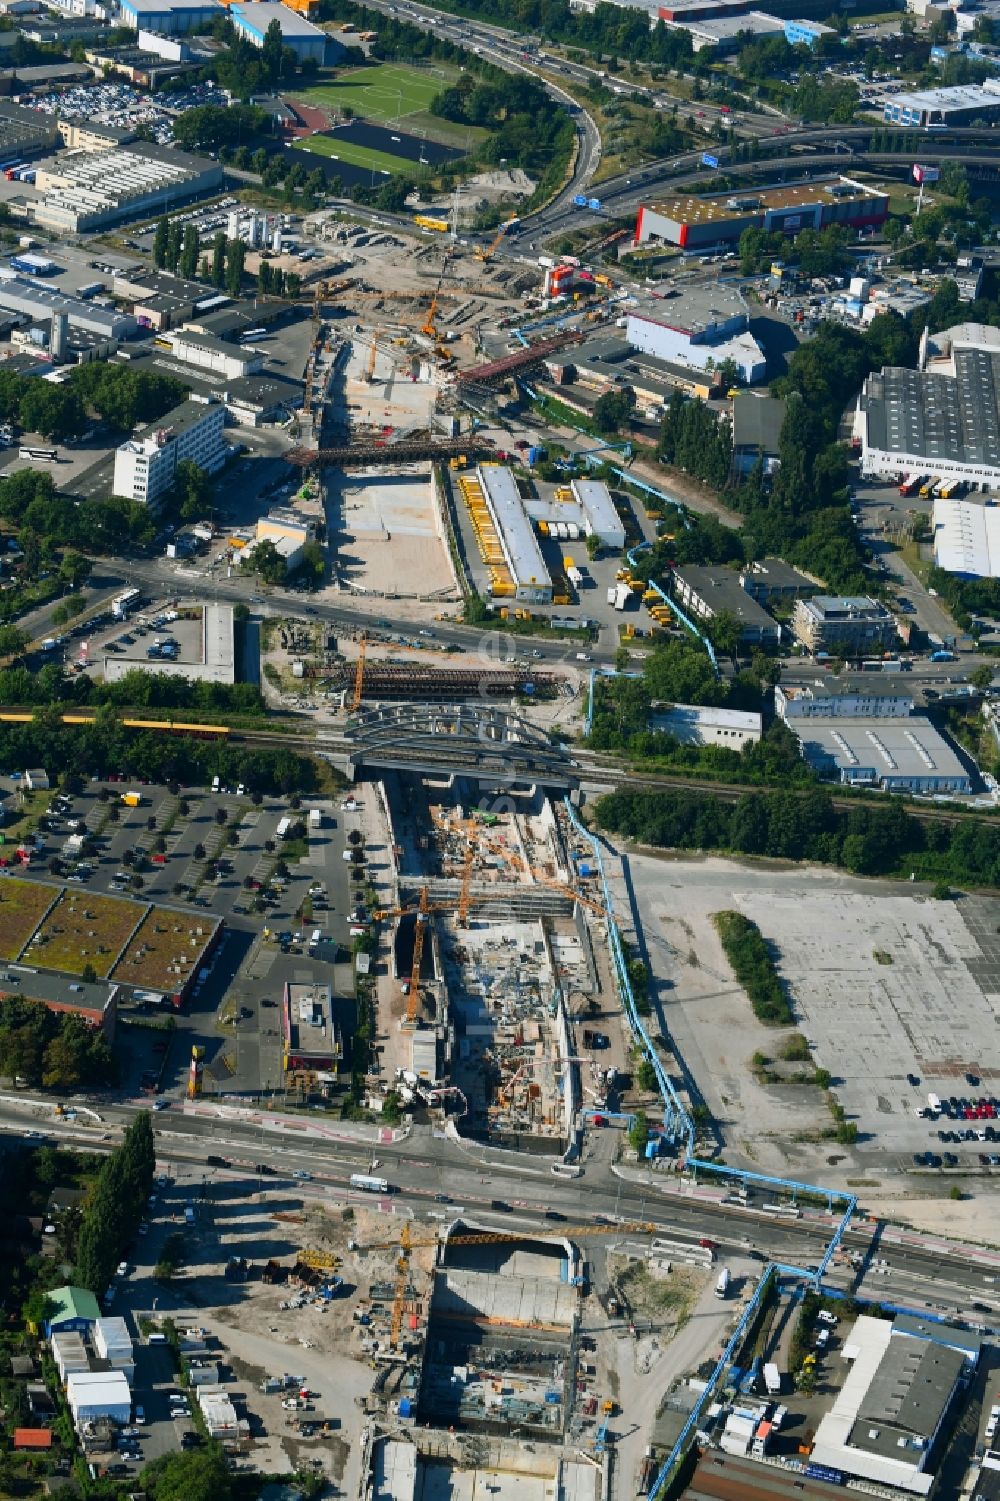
(885, 983)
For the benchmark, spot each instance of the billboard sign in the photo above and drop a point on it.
(925, 174)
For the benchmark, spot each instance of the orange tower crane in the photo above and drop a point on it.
(359, 672)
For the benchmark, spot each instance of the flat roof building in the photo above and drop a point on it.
(98, 1394)
(252, 18)
(94, 189)
(772, 579)
(710, 592)
(963, 104)
(723, 33)
(757, 423)
(850, 625)
(252, 400)
(702, 222)
(18, 295)
(145, 464)
(832, 703)
(26, 131)
(311, 1035)
(896, 755)
(515, 533)
(206, 352)
(602, 519)
(697, 724)
(168, 16)
(703, 329)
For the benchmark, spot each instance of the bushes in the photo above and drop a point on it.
(753, 967)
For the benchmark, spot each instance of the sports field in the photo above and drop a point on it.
(356, 156)
(396, 92)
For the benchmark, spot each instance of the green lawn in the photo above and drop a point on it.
(358, 156)
(398, 93)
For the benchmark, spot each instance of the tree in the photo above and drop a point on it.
(638, 1132)
(645, 1076)
(219, 259)
(272, 52)
(613, 410)
(88, 974)
(190, 251)
(195, 1475)
(235, 257)
(981, 677)
(160, 242)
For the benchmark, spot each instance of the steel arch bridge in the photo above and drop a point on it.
(482, 741)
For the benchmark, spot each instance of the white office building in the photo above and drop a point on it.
(706, 327)
(208, 353)
(145, 465)
(697, 724)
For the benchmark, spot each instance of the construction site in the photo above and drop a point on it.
(498, 962)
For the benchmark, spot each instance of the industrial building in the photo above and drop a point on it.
(706, 328)
(73, 1310)
(210, 657)
(829, 703)
(253, 400)
(723, 33)
(290, 530)
(219, 1414)
(709, 592)
(252, 18)
(98, 1394)
(515, 535)
(25, 133)
(145, 464)
(902, 1384)
(168, 16)
(941, 421)
(42, 303)
(896, 755)
(695, 724)
(842, 626)
(208, 353)
(806, 33)
(967, 537)
(311, 1038)
(95, 190)
(705, 223)
(964, 104)
(113, 1343)
(601, 518)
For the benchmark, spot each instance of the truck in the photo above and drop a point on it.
(722, 1285)
(942, 656)
(911, 484)
(315, 818)
(612, 594)
(284, 824)
(772, 1379)
(132, 799)
(623, 593)
(189, 1214)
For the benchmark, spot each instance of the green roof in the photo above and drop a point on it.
(73, 1303)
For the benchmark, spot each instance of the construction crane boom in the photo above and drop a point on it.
(420, 928)
(359, 672)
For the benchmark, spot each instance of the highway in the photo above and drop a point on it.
(903, 1266)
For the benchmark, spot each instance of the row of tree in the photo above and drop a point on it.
(136, 689)
(754, 968)
(116, 1205)
(57, 1050)
(871, 839)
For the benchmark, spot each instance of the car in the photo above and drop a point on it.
(442, 1199)
(913, 1079)
(34, 1135)
(971, 1078)
(950, 1160)
(161, 1104)
(163, 1181)
(302, 1175)
(140, 1415)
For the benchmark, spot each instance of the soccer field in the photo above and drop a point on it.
(390, 91)
(357, 156)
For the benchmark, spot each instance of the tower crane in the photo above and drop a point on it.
(359, 672)
(429, 328)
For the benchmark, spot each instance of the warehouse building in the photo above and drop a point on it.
(696, 724)
(145, 465)
(255, 399)
(964, 104)
(41, 303)
(93, 1395)
(706, 328)
(895, 755)
(74, 1310)
(252, 18)
(902, 1385)
(967, 537)
(706, 223)
(208, 353)
(168, 16)
(515, 534)
(69, 1354)
(709, 592)
(724, 33)
(113, 1343)
(943, 420)
(25, 133)
(290, 530)
(95, 189)
(844, 626)
(601, 519)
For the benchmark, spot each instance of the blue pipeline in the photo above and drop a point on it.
(675, 608)
(680, 1128)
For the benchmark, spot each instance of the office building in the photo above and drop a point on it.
(145, 465)
(95, 189)
(967, 537)
(964, 104)
(709, 592)
(90, 135)
(168, 16)
(253, 400)
(601, 518)
(772, 580)
(941, 421)
(252, 18)
(706, 223)
(515, 534)
(310, 1032)
(694, 724)
(724, 33)
(208, 353)
(704, 329)
(851, 626)
(895, 755)
(290, 530)
(831, 703)
(902, 1383)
